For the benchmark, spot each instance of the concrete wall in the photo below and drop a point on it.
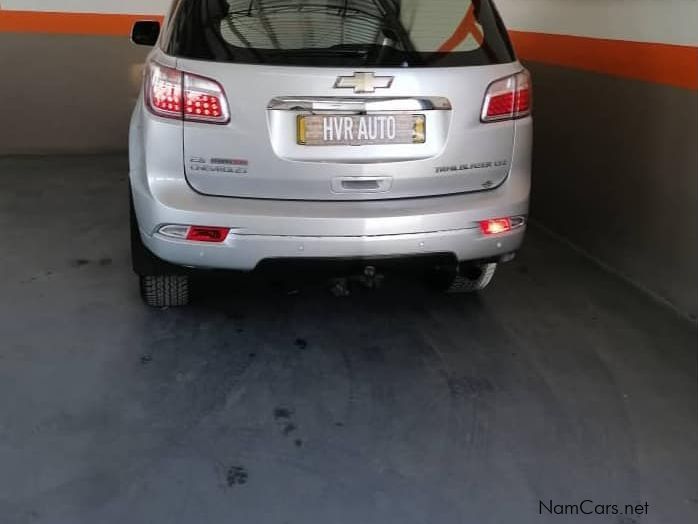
(616, 157)
(66, 93)
(616, 160)
(616, 172)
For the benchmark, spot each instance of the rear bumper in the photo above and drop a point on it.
(264, 229)
(246, 252)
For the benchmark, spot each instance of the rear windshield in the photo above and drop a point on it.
(337, 33)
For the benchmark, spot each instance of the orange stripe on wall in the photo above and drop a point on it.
(668, 64)
(673, 65)
(69, 23)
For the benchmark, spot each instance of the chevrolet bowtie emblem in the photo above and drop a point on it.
(364, 82)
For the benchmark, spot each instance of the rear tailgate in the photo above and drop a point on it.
(258, 154)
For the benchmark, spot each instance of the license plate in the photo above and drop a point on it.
(359, 130)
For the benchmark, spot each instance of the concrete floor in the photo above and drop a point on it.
(400, 406)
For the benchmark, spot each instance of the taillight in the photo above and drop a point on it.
(508, 98)
(173, 94)
(163, 93)
(204, 100)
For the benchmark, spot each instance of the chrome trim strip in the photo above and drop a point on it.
(359, 105)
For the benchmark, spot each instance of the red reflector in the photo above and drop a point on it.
(495, 226)
(207, 234)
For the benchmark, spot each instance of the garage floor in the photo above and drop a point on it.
(257, 405)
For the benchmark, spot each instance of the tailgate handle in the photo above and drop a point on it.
(362, 184)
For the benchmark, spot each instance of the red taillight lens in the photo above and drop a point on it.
(204, 100)
(508, 98)
(173, 94)
(164, 91)
(500, 105)
(199, 104)
(522, 107)
(207, 234)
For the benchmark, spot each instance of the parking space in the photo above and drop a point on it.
(270, 400)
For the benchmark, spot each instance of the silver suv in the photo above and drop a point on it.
(363, 130)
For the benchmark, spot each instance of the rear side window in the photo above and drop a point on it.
(341, 33)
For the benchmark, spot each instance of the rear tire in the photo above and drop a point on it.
(162, 284)
(165, 290)
(467, 278)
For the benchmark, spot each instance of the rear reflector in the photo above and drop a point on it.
(195, 233)
(496, 226)
(170, 93)
(207, 234)
(508, 98)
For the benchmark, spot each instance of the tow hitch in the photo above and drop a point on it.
(370, 279)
